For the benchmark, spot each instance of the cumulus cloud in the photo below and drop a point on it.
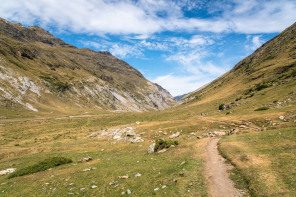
(192, 62)
(147, 17)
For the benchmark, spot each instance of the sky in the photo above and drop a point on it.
(179, 44)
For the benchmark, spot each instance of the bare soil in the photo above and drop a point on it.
(220, 184)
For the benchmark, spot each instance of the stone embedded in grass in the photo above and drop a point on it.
(113, 182)
(138, 175)
(151, 148)
(123, 177)
(85, 159)
(156, 189)
(164, 186)
(281, 117)
(128, 191)
(94, 186)
(7, 171)
(174, 135)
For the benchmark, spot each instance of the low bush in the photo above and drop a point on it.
(261, 108)
(221, 106)
(41, 166)
(261, 87)
(161, 144)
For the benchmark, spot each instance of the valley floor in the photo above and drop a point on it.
(262, 153)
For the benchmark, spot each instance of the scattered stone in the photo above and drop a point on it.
(164, 186)
(163, 150)
(73, 188)
(138, 175)
(81, 189)
(71, 184)
(123, 177)
(136, 140)
(128, 191)
(174, 135)
(86, 159)
(122, 193)
(175, 180)
(130, 132)
(199, 137)
(156, 189)
(7, 171)
(137, 123)
(183, 162)
(281, 117)
(165, 133)
(89, 169)
(94, 186)
(219, 133)
(151, 148)
(113, 182)
(233, 131)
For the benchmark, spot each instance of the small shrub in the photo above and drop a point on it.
(248, 91)
(161, 144)
(17, 145)
(261, 87)
(41, 166)
(221, 107)
(261, 108)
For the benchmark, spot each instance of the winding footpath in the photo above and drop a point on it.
(220, 184)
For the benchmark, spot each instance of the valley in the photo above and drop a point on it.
(104, 122)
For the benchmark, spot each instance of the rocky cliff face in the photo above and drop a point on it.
(39, 71)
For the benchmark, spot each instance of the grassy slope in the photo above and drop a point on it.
(266, 160)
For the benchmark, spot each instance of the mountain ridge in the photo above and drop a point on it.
(38, 69)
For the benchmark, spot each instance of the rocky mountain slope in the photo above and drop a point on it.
(40, 72)
(267, 76)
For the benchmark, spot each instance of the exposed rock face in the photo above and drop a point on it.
(38, 70)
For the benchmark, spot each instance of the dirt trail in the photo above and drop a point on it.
(219, 183)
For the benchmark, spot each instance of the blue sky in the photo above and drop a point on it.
(180, 44)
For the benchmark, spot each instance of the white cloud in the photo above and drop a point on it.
(256, 42)
(124, 50)
(146, 17)
(178, 85)
(192, 62)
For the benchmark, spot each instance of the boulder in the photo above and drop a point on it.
(281, 117)
(151, 148)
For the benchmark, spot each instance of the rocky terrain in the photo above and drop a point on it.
(40, 72)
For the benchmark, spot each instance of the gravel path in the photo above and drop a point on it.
(220, 184)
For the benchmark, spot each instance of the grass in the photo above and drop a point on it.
(265, 161)
(41, 166)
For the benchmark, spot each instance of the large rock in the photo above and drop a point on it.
(151, 148)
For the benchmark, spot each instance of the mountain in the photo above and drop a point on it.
(263, 78)
(41, 72)
(179, 97)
